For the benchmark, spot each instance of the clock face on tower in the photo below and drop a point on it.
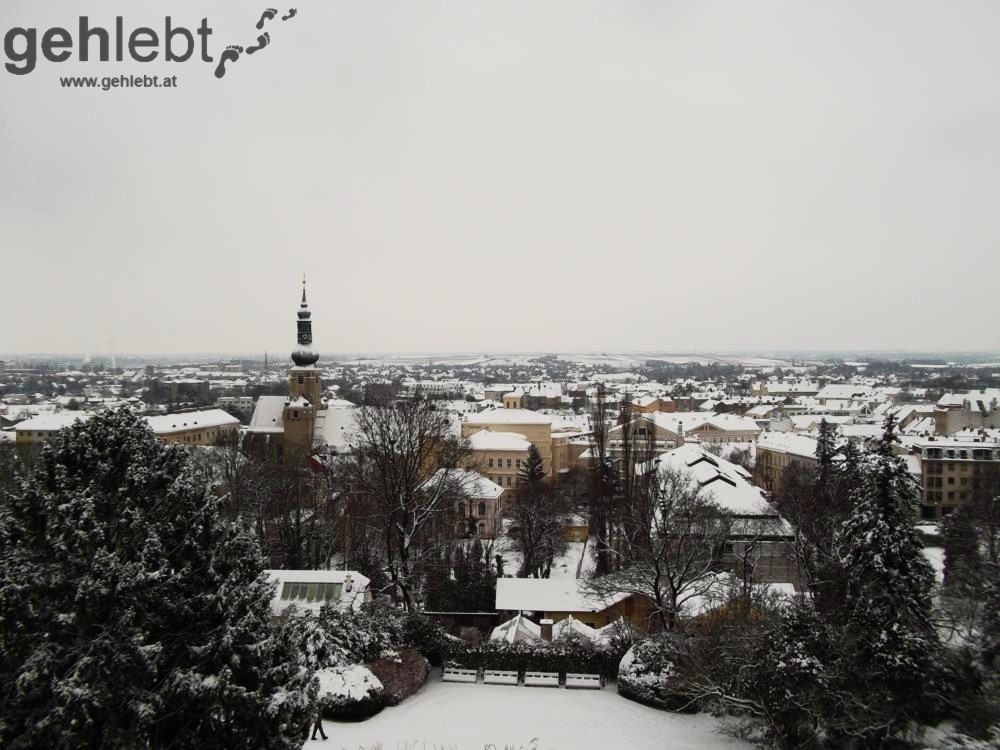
(305, 337)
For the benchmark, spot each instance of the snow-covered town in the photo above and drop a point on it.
(712, 545)
(499, 375)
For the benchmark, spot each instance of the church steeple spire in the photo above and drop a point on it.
(304, 356)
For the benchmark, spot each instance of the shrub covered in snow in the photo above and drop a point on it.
(649, 673)
(350, 693)
(335, 638)
(390, 642)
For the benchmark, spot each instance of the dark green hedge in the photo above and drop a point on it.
(556, 656)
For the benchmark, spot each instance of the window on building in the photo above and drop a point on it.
(482, 527)
(482, 509)
(301, 591)
(508, 463)
(490, 463)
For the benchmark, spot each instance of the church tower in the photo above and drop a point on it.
(304, 391)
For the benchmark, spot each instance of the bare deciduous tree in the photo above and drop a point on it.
(400, 446)
(670, 538)
(293, 509)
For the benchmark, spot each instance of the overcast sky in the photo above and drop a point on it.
(521, 175)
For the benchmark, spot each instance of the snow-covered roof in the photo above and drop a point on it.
(761, 410)
(51, 421)
(812, 421)
(984, 400)
(550, 595)
(727, 483)
(165, 424)
(335, 427)
(860, 430)
(845, 391)
(487, 440)
(788, 442)
(475, 484)
(922, 426)
(508, 416)
(690, 421)
(268, 414)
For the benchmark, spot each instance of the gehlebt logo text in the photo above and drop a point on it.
(26, 47)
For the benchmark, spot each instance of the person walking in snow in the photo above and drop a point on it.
(318, 726)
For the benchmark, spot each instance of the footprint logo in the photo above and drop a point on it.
(232, 53)
(262, 41)
(229, 54)
(267, 15)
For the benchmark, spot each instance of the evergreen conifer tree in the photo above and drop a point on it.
(536, 524)
(794, 679)
(889, 639)
(131, 613)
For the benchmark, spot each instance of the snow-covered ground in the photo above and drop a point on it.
(935, 556)
(577, 562)
(450, 715)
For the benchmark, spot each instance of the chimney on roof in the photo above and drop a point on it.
(546, 626)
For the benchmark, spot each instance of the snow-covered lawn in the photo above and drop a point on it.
(450, 715)
(935, 556)
(576, 559)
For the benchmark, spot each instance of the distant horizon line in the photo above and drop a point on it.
(522, 352)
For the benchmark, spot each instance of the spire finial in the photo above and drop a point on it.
(304, 356)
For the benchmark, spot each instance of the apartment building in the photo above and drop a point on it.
(527, 427)
(498, 456)
(951, 470)
(776, 451)
(204, 427)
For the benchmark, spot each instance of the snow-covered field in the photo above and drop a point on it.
(935, 556)
(444, 715)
